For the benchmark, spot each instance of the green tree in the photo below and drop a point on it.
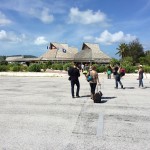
(123, 50)
(147, 52)
(136, 50)
(127, 61)
(114, 61)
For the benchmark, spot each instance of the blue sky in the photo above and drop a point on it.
(28, 26)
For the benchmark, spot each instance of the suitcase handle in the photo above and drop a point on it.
(97, 87)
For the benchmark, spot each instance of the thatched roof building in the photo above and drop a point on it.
(91, 53)
(59, 52)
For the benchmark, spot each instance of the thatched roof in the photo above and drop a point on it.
(92, 52)
(59, 51)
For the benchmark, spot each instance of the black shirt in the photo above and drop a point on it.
(74, 73)
(115, 72)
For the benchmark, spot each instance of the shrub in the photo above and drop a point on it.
(48, 64)
(3, 68)
(34, 68)
(101, 68)
(16, 68)
(66, 66)
(147, 69)
(43, 66)
(23, 68)
(3, 62)
(130, 69)
(57, 66)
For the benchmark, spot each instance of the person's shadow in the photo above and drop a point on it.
(146, 87)
(85, 96)
(129, 87)
(105, 99)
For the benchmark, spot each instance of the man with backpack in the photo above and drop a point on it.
(117, 75)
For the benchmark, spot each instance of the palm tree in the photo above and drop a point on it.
(123, 50)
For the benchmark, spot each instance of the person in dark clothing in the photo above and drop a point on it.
(116, 73)
(74, 74)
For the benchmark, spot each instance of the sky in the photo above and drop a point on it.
(28, 26)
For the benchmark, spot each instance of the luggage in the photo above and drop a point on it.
(122, 72)
(89, 78)
(97, 96)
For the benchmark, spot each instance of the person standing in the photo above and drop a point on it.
(74, 74)
(109, 71)
(82, 67)
(94, 80)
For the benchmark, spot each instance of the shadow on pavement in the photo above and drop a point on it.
(129, 87)
(146, 87)
(108, 97)
(85, 96)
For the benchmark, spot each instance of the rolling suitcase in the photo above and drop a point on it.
(98, 95)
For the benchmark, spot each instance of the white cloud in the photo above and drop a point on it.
(43, 15)
(109, 38)
(40, 41)
(46, 17)
(89, 38)
(34, 8)
(4, 20)
(11, 37)
(86, 17)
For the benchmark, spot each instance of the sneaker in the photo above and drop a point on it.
(77, 96)
(73, 97)
(116, 87)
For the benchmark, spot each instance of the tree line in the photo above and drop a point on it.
(134, 53)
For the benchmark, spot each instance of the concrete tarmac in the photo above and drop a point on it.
(38, 113)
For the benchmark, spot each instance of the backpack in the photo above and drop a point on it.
(122, 72)
(89, 78)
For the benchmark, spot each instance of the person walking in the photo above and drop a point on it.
(74, 74)
(94, 80)
(141, 75)
(117, 76)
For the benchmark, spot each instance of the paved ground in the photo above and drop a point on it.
(38, 113)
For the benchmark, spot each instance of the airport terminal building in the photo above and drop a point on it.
(60, 52)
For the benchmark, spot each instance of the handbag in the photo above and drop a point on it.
(98, 96)
(89, 78)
